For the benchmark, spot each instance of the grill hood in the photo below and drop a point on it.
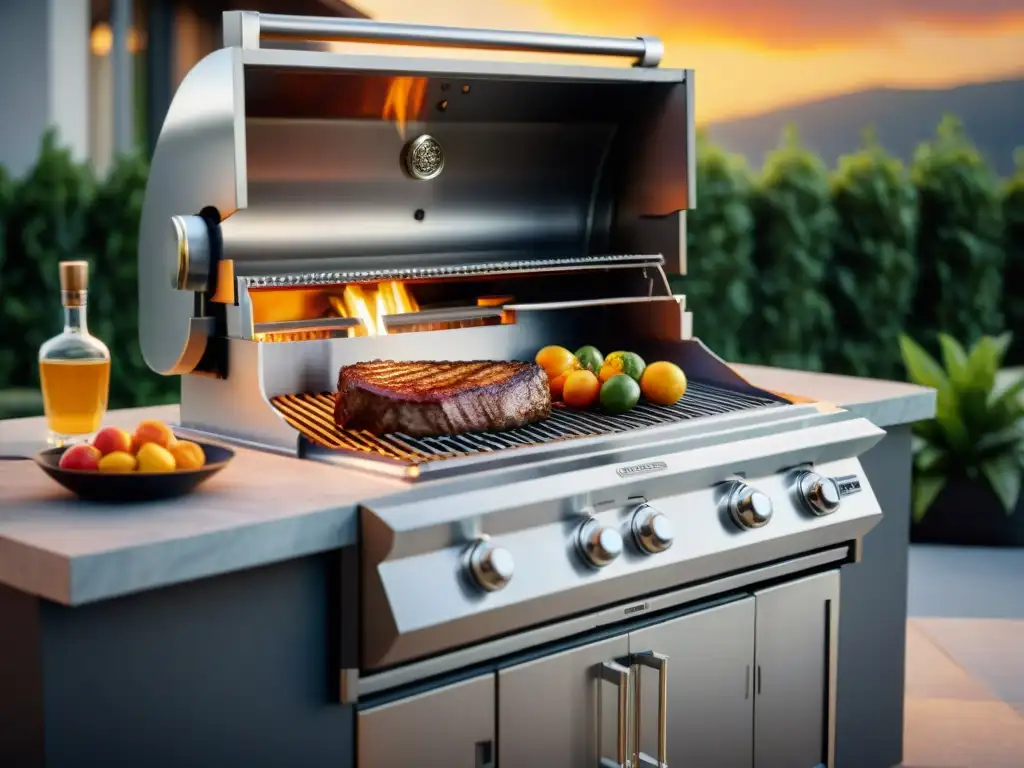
(283, 168)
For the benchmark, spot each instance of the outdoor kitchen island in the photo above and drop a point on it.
(204, 631)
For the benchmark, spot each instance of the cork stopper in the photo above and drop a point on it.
(74, 282)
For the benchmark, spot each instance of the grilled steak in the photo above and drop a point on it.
(428, 398)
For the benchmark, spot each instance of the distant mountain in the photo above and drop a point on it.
(992, 113)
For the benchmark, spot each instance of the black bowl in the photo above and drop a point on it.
(114, 488)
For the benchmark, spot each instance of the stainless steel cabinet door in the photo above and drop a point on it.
(451, 726)
(556, 711)
(710, 713)
(797, 630)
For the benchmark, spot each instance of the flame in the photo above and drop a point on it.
(404, 101)
(371, 303)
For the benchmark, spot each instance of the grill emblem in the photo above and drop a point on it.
(424, 158)
(641, 469)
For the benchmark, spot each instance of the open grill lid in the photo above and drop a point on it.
(298, 167)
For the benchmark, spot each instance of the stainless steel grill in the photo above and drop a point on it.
(309, 210)
(313, 416)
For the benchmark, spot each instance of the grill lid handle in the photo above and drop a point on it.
(245, 29)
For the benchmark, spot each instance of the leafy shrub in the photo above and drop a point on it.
(978, 430)
(1013, 282)
(720, 246)
(112, 242)
(795, 225)
(7, 359)
(46, 223)
(871, 285)
(960, 239)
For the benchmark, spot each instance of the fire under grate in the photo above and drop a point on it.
(312, 415)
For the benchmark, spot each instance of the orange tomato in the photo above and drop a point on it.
(556, 360)
(557, 384)
(581, 389)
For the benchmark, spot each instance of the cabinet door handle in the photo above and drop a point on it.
(659, 662)
(619, 676)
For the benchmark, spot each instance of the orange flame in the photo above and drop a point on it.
(369, 304)
(404, 101)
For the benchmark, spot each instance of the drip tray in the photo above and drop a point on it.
(312, 415)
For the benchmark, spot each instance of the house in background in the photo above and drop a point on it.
(102, 72)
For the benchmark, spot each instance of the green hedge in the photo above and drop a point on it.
(794, 265)
(60, 211)
(1013, 277)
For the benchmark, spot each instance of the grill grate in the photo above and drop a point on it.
(313, 416)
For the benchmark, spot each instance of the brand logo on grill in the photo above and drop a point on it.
(635, 609)
(847, 485)
(641, 469)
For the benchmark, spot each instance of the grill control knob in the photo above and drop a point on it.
(820, 494)
(749, 508)
(598, 545)
(490, 567)
(652, 531)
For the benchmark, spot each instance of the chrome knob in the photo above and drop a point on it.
(598, 544)
(490, 567)
(652, 531)
(819, 494)
(749, 508)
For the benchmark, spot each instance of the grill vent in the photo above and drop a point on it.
(313, 416)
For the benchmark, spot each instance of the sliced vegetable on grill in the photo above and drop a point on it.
(619, 394)
(663, 383)
(629, 363)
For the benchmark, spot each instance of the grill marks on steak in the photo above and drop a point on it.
(424, 399)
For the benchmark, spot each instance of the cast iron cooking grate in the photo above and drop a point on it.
(313, 416)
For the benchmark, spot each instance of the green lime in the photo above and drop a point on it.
(590, 358)
(628, 363)
(619, 394)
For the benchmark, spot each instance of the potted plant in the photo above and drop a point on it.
(969, 459)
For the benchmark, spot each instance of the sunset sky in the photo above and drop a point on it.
(754, 55)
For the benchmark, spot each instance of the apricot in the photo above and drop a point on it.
(111, 439)
(117, 462)
(81, 457)
(155, 458)
(187, 455)
(152, 431)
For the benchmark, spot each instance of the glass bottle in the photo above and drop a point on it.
(74, 366)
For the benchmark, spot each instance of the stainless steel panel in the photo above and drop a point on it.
(531, 638)
(557, 710)
(415, 601)
(451, 726)
(710, 698)
(796, 645)
(330, 195)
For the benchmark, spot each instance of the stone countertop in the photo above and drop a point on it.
(883, 403)
(262, 508)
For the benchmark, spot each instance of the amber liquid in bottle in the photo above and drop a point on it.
(74, 366)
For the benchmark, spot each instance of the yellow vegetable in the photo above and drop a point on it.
(117, 462)
(155, 458)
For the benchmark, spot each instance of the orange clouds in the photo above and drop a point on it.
(781, 24)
